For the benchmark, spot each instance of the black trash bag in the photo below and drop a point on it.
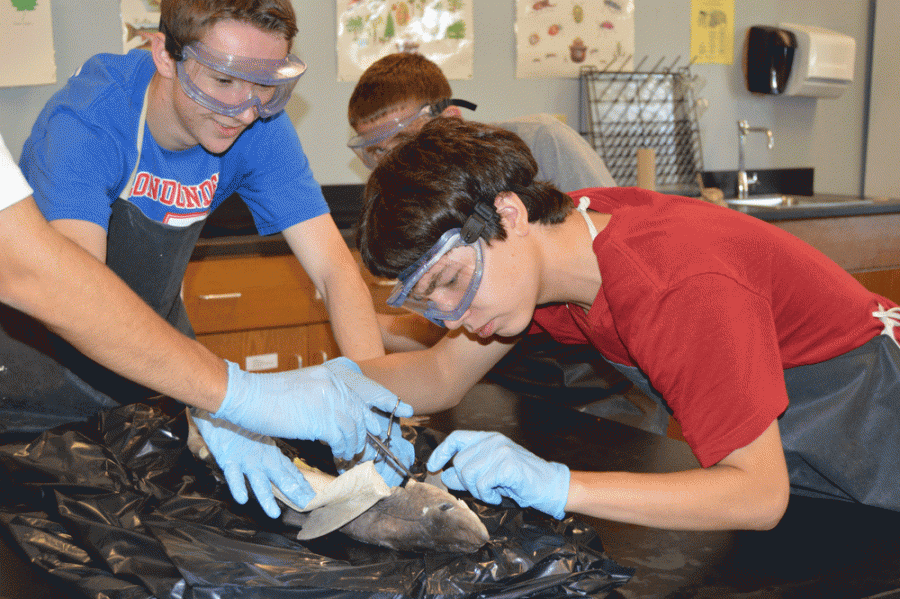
(119, 508)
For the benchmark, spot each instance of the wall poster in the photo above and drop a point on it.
(712, 31)
(26, 28)
(555, 38)
(140, 18)
(442, 30)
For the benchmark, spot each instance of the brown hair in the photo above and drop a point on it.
(394, 80)
(186, 21)
(432, 182)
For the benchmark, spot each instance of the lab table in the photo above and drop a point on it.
(821, 548)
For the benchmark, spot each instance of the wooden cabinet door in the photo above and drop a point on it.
(885, 283)
(867, 246)
(263, 312)
(250, 292)
(276, 349)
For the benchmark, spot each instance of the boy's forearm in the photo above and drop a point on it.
(412, 377)
(352, 318)
(408, 332)
(52, 279)
(748, 489)
(689, 500)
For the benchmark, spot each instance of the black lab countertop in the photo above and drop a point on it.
(821, 548)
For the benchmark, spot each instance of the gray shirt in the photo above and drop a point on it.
(564, 158)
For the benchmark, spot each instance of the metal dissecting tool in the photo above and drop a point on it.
(382, 447)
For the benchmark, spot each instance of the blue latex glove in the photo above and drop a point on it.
(314, 403)
(400, 447)
(490, 466)
(241, 453)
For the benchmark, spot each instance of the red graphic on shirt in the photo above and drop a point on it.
(169, 192)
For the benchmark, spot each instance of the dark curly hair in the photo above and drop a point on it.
(431, 182)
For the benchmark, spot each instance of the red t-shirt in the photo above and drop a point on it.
(712, 305)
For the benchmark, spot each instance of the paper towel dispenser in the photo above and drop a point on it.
(770, 54)
(799, 60)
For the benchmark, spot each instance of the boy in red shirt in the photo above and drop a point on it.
(780, 367)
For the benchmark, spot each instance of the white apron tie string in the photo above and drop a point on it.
(583, 204)
(891, 320)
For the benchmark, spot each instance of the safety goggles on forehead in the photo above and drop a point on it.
(443, 282)
(373, 144)
(229, 85)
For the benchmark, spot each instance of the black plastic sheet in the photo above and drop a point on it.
(117, 507)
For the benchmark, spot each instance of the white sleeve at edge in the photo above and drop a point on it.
(13, 186)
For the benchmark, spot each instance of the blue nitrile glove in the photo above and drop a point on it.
(401, 448)
(489, 465)
(313, 403)
(241, 453)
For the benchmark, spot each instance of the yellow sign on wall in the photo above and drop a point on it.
(712, 31)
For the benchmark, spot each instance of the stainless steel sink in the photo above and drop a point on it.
(779, 201)
(769, 201)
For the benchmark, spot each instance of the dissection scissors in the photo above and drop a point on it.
(382, 447)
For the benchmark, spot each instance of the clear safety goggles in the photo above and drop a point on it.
(375, 143)
(229, 85)
(442, 283)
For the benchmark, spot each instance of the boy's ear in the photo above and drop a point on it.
(513, 214)
(452, 111)
(165, 64)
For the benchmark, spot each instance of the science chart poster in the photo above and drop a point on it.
(26, 28)
(555, 38)
(442, 30)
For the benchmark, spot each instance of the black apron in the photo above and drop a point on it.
(841, 430)
(44, 381)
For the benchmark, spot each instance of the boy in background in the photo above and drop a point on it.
(400, 92)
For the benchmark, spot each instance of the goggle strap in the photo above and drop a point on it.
(173, 46)
(475, 224)
(461, 103)
(441, 105)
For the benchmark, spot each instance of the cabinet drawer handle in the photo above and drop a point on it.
(217, 296)
(385, 282)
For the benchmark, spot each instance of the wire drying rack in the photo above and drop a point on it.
(629, 110)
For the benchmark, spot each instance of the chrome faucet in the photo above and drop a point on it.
(743, 181)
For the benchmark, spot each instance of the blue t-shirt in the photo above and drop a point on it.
(82, 150)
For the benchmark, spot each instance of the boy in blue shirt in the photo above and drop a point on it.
(129, 158)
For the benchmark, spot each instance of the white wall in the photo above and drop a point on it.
(826, 134)
(884, 105)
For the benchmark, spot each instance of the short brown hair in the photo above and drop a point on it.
(432, 182)
(393, 80)
(186, 21)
